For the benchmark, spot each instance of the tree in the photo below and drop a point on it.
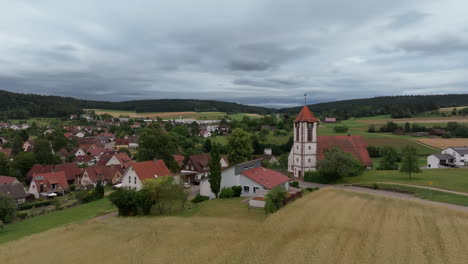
(24, 135)
(207, 145)
(59, 140)
(163, 192)
(154, 143)
(340, 129)
(407, 128)
(17, 145)
(43, 152)
(4, 164)
(215, 170)
(7, 209)
(256, 146)
(409, 161)
(338, 164)
(239, 147)
(144, 201)
(23, 162)
(274, 199)
(125, 200)
(389, 158)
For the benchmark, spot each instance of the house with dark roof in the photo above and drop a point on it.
(15, 190)
(138, 172)
(309, 148)
(107, 175)
(254, 179)
(449, 158)
(198, 165)
(71, 170)
(268, 156)
(44, 184)
(120, 159)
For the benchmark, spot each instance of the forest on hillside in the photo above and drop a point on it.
(23, 106)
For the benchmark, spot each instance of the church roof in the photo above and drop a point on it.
(306, 116)
(355, 145)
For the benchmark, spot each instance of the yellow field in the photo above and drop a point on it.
(449, 109)
(165, 115)
(442, 143)
(327, 226)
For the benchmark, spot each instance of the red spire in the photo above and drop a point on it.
(306, 116)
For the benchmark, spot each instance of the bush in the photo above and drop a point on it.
(338, 164)
(125, 200)
(7, 209)
(294, 184)
(237, 191)
(447, 135)
(313, 176)
(72, 187)
(200, 198)
(374, 152)
(274, 199)
(311, 189)
(22, 215)
(226, 192)
(35, 204)
(341, 129)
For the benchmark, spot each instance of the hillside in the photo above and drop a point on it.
(396, 106)
(22, 106)
(327, 226)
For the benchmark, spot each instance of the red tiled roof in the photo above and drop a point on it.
(102, 173)
(149, 169)
(51, 178)
(6, 151)
(179, 159)
(200, 162)
(39, 168)
(306, 116)
(356, 145)
(6, 179)
(71, 170)
(266, 177)
(96, 151)
(124, 159)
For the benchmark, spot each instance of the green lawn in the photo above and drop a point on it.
(450, 179)
(239, 116)
(55, 219)
(427, 194)
(232, 208)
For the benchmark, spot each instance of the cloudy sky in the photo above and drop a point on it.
(259, 52)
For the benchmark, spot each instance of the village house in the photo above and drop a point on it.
(449, 157)
(268, 156)
(309, 148)
(107, 175)
(11, 187)
(120, 159)
(254, 179)
(197, 165)
(80, 134)
(330, 120)
(27, 146)
(86, 160)
(48, 184)
(138, 172)
(71, 170)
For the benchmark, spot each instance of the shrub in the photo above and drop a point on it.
(7, 209)
(374, 152)
(371, 129)
(274, 199)
(311, 189)
(447, 135)
(125, 200)
(338, 164)
(226, 192)
(294, 184)
(200, 198)
(144, 201)
(22, 215)
(313, 176)
(35, 204)
(72, 187)
(237, 191)
(341, 129)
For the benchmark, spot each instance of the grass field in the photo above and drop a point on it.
(450, 179)
(449, 109)
(442, 143)
(164, 115)
(51, 220)
(327, 226)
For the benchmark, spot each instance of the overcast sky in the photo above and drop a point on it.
(258, 52)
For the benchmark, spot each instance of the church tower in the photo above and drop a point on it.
(303, 155)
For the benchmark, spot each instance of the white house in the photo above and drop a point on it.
(449, 157)
(136, 173)
(254, 179)
(80, 134)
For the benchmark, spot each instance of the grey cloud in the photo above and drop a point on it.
(407, 19)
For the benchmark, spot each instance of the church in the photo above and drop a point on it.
(309, 148)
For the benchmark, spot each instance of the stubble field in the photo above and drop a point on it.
(442, 143)
(327, 226)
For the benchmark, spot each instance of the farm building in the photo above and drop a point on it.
(449, 157)
(308, 148)
(254, 179)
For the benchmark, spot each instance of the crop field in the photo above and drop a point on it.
(327, 226)
(419, 120)
(442, 143)
(165, 115)
(449, 109)
(449, 179)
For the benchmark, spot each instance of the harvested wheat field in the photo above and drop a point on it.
(443, 143)
(165, 115)
(421, 120)
(327, 226)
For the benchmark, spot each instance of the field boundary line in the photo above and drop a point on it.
(427, 187)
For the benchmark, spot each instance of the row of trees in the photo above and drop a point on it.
(453, 129)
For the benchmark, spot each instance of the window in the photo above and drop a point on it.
(309, 132)
(246, 189)
(255, 189)
(297, 131)
(135, 180)
(310, 161)
(129, 180)
(310, 147)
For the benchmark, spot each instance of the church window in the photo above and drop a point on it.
(310, 147)
(309, 160)
(309, 131)
(297, 131)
